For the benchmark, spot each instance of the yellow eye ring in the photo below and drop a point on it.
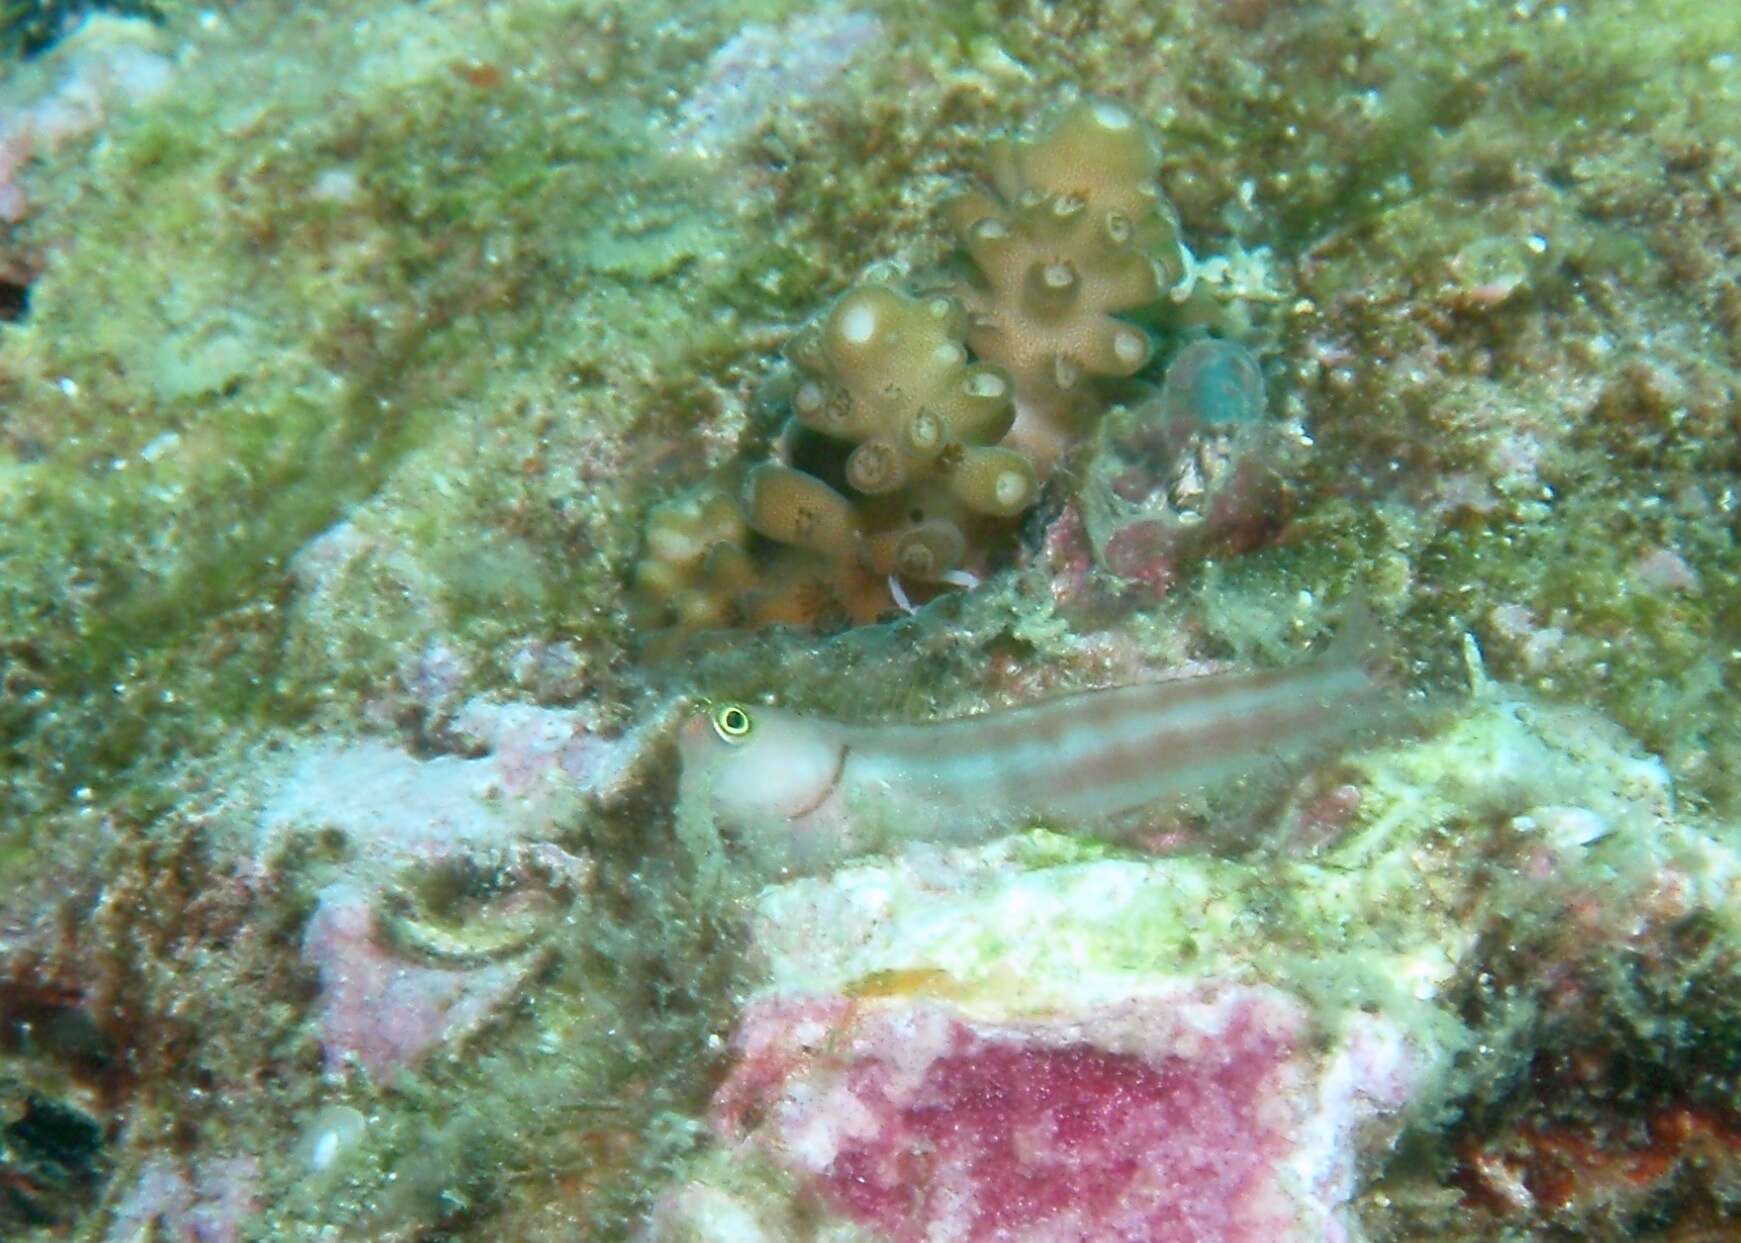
(731, 722)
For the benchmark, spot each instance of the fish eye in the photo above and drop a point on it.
(731, 722)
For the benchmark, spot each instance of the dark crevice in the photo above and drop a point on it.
(53, 1165)
(31, 27)
(14, 301)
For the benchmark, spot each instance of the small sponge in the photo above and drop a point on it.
(1213, 382)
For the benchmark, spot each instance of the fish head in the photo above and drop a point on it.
(757, 764)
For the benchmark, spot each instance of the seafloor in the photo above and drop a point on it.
(365, 375)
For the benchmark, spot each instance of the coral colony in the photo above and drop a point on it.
(923, 424)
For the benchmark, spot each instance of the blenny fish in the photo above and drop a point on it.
(802, 794)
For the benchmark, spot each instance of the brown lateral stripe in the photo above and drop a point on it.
(1122, 746)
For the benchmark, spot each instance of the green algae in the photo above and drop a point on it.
(298, 318)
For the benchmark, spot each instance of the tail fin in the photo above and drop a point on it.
(1397, 703)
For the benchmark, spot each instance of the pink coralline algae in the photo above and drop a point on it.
(393, 807)
(386, 1000)
(205, 1201)
(1663, 570)
(1212, 1114)
(380, 1010)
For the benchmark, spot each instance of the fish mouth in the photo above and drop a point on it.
(827, 790)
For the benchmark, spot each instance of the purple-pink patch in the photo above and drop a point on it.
(380, 1011)
(1202, 1119)
(1001, 1138)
